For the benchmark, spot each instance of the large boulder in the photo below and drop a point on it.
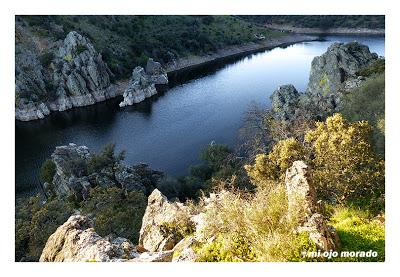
(302, 197)
(70, 167)
(139, 88)
(284, 102)
(156, 72)
(301, 194)
(76, 241)
(158, 232)
(337, 67)
(143, 83)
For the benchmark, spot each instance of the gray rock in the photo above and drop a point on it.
(160, 212)
(77, 76)
(143, 83)
(284, 102)
(339, 64)
(69, 161)
(72, 178)
(302, 197)
(76, 241)
(183, 251)
(156, 72)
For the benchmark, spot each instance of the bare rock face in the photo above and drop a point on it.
(76, 241)
(160, 215)
(75, 76)
(302, 197)
(301, 194)
(337, 67)
(284, 101)
(183, 251)
(143, 83)
(156, 72)
(139, 88)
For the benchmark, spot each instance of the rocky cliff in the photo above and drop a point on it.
(71, 74)
(171, 230)
(57, 75)
(75, 177)
(332, 74)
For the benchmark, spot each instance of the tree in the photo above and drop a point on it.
(269, 168)
(344, 164)
(47, 171)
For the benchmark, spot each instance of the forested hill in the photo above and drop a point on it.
(321, 21)
(128, 41)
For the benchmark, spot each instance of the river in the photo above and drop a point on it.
(169, 130)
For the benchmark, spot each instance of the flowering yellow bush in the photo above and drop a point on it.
(344, 164)
(272, 167)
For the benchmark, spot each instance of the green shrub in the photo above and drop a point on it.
(368, 103)
(46, 59)
(105, 158)
(375, 68)
(116, 211)
(47, 171)
(249, 227)
(35, 221)
(344, 166)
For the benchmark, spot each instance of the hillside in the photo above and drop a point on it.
(127, 41)
(321, 21)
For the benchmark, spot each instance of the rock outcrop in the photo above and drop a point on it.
(340, 63)
(159, 221)
(143, 83)
(73, 74)
(284, 101)
(302, 197)
(73, 178)
(76, 241)
(332, 74)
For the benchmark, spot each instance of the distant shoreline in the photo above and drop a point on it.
(331, 31)
(234, 52)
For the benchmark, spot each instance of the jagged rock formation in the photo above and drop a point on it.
(332, 74)
(72, 178)
(143, 83)
(284, 101)
(301, 196)
(76, 241)
(171, 231)
(75, 76)
(340, 63)
(160, 213)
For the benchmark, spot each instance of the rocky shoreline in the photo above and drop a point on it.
(331, 31)
(91, 84)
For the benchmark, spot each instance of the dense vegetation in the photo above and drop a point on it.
(128, 41)
(322, 21)
(345, 152)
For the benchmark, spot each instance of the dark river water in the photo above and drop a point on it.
(168, 131)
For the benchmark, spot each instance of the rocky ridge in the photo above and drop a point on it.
(171, 230)
(70, 73)
(75, 76)
(72, 177)
(333, 74)
(143, 83)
